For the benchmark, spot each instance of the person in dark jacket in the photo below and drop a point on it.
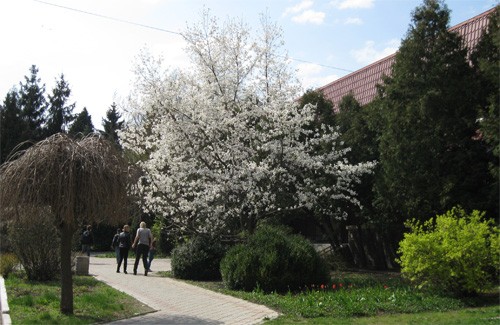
(115, 246)
(87, 240)
(124, 242)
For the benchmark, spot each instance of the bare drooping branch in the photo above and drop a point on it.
(78, 179)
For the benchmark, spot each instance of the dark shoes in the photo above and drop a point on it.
(117, 271)
(125, 271)
(146, 273)
(135, 272)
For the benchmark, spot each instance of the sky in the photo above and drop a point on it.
(94, 43)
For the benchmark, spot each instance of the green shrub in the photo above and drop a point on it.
(273, 260)
(8, 262)
(198, 259)
(453, 253)
(35, 242)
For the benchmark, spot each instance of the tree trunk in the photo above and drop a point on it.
(66, 274)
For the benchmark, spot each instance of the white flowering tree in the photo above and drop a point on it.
(225, 144)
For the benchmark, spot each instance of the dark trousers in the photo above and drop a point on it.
(123, 257)
(142, 250)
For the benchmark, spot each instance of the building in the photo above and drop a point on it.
(362, 83)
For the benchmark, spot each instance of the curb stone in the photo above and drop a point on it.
(4, 305)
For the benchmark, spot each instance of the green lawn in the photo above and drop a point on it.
(371, 298)
(351, 298)
(94, 302)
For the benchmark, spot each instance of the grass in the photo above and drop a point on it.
(370, 298)
(356, 298)
(94, 302)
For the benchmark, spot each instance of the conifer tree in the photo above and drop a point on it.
(60, 112)
(11, 124)
(82, 125)
(112, 124)
(33, 106)
(485, 61)
(429, 160)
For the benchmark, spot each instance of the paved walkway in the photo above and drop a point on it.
(175, 301)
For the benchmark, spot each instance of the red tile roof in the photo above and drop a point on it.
(362, 83)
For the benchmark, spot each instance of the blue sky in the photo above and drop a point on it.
(326, 39)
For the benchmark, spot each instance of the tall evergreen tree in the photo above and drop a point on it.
(357, 132)
(324, 113)
(11, 124)
(60, 113)
(429, 160)
(33, 105)
(485, 60)
(82, 125)
(112, 124)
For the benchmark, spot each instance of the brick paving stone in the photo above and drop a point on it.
(176, 302)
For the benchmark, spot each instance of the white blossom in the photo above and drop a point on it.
(226, 138)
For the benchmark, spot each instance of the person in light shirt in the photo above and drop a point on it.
(143, 240)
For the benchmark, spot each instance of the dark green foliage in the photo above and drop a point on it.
(324, 107)
(82, 125)
(60, 113)
(11, 125)
(429, 160)
(485, 60)
(33, 106)
(198, 259)
(112, 124)
(273, 260)
(358, 132)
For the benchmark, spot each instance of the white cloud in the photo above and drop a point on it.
(298, 7)
(310, 16)
(353, 21)
(313, 76)
(353, 4)
(369, 54)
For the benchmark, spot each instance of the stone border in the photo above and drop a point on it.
(4, 305)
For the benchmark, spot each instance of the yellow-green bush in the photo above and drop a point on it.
(455, 253)
(8, 262)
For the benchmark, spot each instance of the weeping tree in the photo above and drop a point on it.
(78, 181)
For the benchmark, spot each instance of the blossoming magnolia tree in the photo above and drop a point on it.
(225, 144)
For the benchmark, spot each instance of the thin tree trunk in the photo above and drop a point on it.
(66, 275)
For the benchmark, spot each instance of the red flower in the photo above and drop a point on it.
(334, 286)
(322, 286)
(386, 287)
(341, 285)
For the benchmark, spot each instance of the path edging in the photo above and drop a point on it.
(4, 305)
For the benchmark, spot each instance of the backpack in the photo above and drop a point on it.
(124, 240)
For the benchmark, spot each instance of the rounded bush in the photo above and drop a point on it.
(453, 253)
(273, 260)
(34, 240)
(198, 259)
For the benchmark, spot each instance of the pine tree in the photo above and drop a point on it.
(429, 160)
(82, 125)
(33, 105)
(60, 113)
(112, 124)
(11, 124)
